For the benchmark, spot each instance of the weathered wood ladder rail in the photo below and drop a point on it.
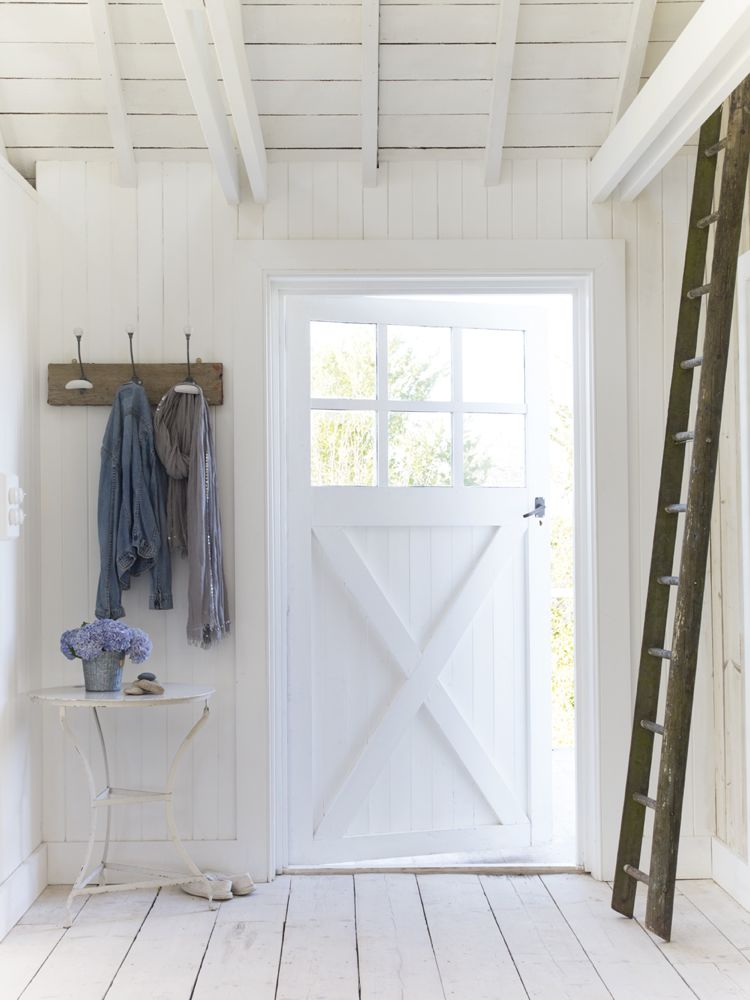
(718, 288)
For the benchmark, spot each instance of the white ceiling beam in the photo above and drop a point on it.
(187, 21)
(225, 21)
(505, 46)
(708, 60)
(370, 86)
(641, 19)
(113, 96)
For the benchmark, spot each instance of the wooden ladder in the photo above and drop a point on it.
(688, 586)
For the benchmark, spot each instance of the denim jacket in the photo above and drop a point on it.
(132, 513)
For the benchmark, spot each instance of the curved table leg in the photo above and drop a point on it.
(92, 830)
(169, 807)
(107, 782)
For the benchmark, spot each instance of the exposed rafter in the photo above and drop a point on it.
(708, 60)
(113, 95)
(505, 46)
(370, 79)
(187, 20)
(225, 21)
(641, 19)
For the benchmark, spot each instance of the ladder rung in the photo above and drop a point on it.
(692, 362)
(682, 436)
(695, 293)
(717, 147)
(636, 873)
(668, 581)
(707, 220)
(644, 800)
(660, 654)
(653, 727)
(676, 508)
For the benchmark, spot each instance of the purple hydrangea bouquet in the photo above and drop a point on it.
(102, 645)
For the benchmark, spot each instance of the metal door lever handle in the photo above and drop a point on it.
(540, 508)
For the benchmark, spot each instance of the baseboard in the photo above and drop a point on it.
(64, 859)
(731, 872)
(693, 859)
(21, 888)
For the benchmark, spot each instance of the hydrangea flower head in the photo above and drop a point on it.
(105, 636)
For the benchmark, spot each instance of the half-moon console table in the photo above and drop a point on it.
(94, 880)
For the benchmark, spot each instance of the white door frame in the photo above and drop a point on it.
(594, 272)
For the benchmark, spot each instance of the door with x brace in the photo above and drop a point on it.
(419, 638)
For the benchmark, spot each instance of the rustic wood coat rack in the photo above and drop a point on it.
(63, 381)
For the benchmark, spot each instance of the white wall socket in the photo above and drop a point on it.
(11, 515)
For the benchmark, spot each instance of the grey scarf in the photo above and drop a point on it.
(184, 443)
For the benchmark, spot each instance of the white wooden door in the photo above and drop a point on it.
(419, 638)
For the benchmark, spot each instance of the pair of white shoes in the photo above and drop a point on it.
(223, 886)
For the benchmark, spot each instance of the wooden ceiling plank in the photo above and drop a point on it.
(505, 46)
(639, 33)
(225, 21)
(370, 87)
(707, 61)
(113, 94)
(187, 21)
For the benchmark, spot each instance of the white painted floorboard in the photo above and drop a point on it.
(380, 937)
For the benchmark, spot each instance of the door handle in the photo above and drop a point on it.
(540, 508)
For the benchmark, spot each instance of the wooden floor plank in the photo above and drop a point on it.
(396, 959)
(243, 955)
(630, 964)
(707, 961)
(725, 913)
(25, 949)
(98, 942)
(471, 954)
(319, 960)
(548, 956)
(164, 960)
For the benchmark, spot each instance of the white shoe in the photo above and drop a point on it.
(242, 885)
(221, 888)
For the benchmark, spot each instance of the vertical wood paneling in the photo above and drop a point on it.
(51, 527)
(300, 201)
(165, 252)
(325, 201)
(549, 199)
(147, 258)
(275, 213)
(473, 201)
(349, 201)
(524, 204)
(375, 207)
(449, 200)
(399, 200)
(424, 200)
(20, 724)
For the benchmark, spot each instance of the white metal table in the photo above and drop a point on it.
(94, 880)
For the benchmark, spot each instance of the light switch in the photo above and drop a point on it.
(11, 514)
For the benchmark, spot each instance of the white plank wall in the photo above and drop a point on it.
(436, 63)
(157, 256)
(21, 872)
(152, 259)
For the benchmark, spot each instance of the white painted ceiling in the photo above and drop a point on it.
(436, 65)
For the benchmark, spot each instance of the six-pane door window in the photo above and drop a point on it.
(416, 405)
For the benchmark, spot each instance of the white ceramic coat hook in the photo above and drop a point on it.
(188, 385)
(82, 382)
(11, 512)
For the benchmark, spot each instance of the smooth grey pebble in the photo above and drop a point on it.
(147, 676)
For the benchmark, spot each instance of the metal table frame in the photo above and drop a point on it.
(93, 880)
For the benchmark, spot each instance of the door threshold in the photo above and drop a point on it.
(458, 869)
